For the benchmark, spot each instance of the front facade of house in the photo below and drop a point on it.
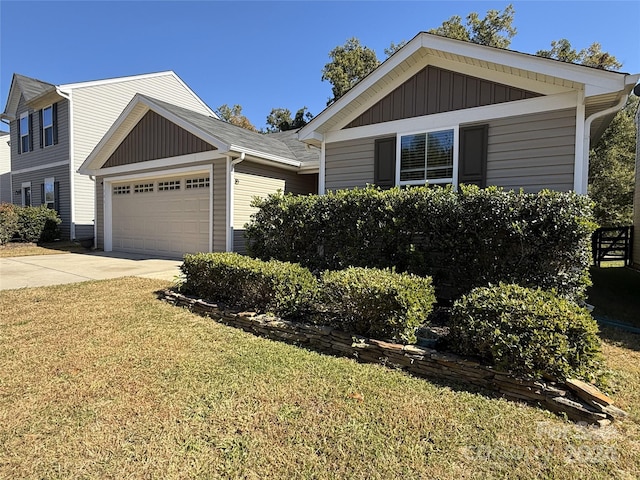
(54, 127)
(171, 181)
(443, 111)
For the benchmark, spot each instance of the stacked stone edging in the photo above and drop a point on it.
(579, 401)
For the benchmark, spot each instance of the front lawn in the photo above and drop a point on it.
(102, 380)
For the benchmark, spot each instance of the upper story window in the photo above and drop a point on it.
(47, 126)
(24, 127)
(427, 157)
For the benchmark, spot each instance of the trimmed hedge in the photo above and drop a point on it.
(529, 332)
(377, 303)
(282, 288)
(463, 239)
(8, 222)
(28, 224)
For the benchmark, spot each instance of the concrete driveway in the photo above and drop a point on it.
(43, 270)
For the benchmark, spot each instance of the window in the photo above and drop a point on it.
(143, 188)
(196, 183)
(26, 194)
(169, 185)
(23, 132)
(49, 192)
(47, 126)
(427, 157)
(122, 190)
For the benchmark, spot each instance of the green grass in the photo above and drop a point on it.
(616, 293)
(102, 380)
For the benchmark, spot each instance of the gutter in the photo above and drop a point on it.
(231, 164)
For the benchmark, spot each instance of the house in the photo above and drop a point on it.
(445, 111)
(170, 180)
(5, 168)
(54, 127)
(635, 247)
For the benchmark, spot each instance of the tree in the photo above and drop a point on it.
(494, 30)
(233, 115)
(393, 48)
(611, 169)
(349, 64)
(593, 56)
(279, 120)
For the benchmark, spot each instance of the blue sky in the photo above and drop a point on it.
(266, 54)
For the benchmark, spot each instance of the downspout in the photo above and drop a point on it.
(587, 137)
(72, 227)
(231, 165)
(95, 212)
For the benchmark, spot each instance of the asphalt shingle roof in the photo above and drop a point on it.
(282, 144)
(32, 87)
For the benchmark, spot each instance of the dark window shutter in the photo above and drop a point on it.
(385, 162)
(41, 129)
(30, 132)
(54, 114)
(472, 167)
(19, 142)
(42, 193)
(56, 196)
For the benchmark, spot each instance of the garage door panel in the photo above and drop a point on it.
(164, 222)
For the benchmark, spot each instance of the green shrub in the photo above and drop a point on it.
(464, 239)
(377, 303)
(8, 222)
(38, 224)
(529, 332)
(282, 288)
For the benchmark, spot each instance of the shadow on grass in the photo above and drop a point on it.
(621, 338)
(615, 294)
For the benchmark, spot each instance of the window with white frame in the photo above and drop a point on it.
(427, 157)
(24, 132)
(49, 192)
(47, 126)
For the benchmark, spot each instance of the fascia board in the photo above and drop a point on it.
(106, 81)
(265, 156)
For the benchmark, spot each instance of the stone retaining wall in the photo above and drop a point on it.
(580, 401)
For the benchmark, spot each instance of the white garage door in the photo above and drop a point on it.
(164, 217)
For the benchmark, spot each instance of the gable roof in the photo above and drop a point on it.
(31, 89)
(227, 138)
(602, 89)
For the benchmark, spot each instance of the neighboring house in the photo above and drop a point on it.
(170, 180)
(54, 127)
(5, 168)
(448, 112)
(635, 252)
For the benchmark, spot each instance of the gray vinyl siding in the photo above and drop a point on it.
(39, 157)
(251, 180)
(532, 152)
(349, 164)
(61, 175)
(5, 169)
(219, 206)
(96, 107)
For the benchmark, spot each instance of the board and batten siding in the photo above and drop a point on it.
(41, 157)
(532, 152)
(251, 180)
(61, 177)
(350, 163)
(96, 107)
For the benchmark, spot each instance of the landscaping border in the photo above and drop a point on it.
(581, 402)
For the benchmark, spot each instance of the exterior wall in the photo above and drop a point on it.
(219, 206)
(61, 175)
(532, 152)
(99, 213)
(5, 168)
(40, 157)
(96, 107)
(435, 90)
(251, 180)
(349, 164)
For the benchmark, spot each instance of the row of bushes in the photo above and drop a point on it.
(28, 224)
(375, 303)
(464, 239)
(527, 331)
